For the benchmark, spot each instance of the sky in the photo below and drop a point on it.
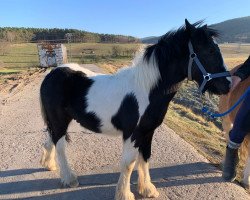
(139, 18)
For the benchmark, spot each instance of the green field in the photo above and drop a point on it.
(20, 57)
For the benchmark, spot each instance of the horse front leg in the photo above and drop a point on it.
(48, 157)
(129, 156)
(145, 186)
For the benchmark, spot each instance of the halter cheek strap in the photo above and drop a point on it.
(206, 76)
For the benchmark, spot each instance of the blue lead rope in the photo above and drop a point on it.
(206, 111)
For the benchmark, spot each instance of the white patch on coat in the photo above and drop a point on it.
(107, 92)
(77, 67)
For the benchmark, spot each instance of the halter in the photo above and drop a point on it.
(206, 76)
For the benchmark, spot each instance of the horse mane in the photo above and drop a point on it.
(150, 63)
(173, 45)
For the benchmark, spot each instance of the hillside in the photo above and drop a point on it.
(233, 30)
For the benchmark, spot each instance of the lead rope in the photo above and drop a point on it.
(209, 113)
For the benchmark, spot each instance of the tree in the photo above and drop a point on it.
(116, 51)
(4, 47)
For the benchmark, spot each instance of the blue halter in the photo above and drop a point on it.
(206, 76)
(206, 111)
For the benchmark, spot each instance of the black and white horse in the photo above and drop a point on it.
(131, 103)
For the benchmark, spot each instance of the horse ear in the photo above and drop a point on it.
(205, 26)
(189, 27)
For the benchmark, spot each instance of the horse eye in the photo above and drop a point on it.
(211, 50)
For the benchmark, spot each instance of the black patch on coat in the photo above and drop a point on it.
(150, 120)
(127, 116)
(63, 98)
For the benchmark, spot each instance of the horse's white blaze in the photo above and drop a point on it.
(67, 176)
(226, 68)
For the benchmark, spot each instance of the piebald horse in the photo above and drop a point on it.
(132, 102)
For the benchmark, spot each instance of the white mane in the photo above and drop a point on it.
(146, 74)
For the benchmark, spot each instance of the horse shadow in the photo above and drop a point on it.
(102, 186)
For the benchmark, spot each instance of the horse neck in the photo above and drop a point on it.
(146, 74)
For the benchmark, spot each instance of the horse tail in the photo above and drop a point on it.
(43, 112)
(52, 99)
(45, 116)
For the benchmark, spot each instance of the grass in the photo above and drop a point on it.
(9, 71)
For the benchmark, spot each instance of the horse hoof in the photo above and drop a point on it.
(124, 196)
(49, 165)
(71, 182)
(148, 191)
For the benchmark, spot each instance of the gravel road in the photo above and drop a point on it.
(177, 169)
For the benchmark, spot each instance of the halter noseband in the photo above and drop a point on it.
(206, 76)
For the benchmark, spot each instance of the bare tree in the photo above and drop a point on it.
(116, 51)
(4, 47)
(10, 36)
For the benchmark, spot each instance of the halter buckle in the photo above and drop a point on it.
(193, 55)
(207, 77)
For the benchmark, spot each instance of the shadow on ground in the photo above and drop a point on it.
(102, 186)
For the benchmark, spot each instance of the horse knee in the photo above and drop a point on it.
(130, 153)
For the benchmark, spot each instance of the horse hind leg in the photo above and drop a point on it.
(68, 178)
(48, 158)
(58, 121)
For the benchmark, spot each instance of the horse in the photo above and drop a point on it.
(132, 102)
(226, 102)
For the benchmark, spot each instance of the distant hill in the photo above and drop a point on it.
(13, 34)
(233, 30)
(150, 39)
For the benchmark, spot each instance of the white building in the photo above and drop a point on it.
(52, 55)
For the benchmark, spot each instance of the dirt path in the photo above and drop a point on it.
(177, 169)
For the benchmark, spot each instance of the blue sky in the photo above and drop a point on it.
(140, 18)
